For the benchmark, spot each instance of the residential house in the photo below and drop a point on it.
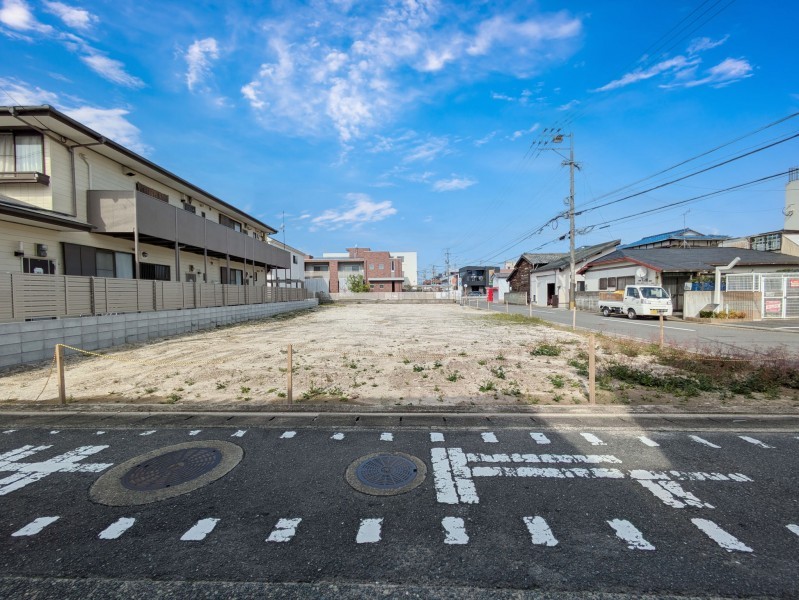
(550, 283)
(672, 268)
(379, 270)
(410, 264)
(294, 276)
(475, 279)
(519, 276)
(500, 283)
(682, 238)
(73, 202)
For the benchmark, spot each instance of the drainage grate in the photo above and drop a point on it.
(386, 474)
(170, 469)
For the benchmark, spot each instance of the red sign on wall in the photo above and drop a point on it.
(794, 283)
(774, 306)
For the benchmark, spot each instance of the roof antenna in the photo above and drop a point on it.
(684, 229)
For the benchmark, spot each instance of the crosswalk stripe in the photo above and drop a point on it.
(455, 531)
(754, 441)
(287, 435)
(539, 438)
(386, 437)
(100, 433)
(200, 529)
(489, 437)
(540, 532)
(369, 531)
(117, 528)
(726, 540)
(54, 432)
(794, 528)
(284, 530)
(35, 526)
(195, 431)
(648, 442)
(627, 532)
(594, 440)
(152, 431)
(337, 436)
(239, 433)
(703, 441)
(436, 437)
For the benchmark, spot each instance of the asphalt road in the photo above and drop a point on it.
(550, 505)
(742, 339)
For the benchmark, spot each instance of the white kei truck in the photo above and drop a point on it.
(636, 301)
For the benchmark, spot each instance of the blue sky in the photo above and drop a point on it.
(409, 125)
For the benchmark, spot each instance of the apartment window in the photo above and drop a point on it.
(38, 266)
(603, 283)
(231, 276)
(612, 283)
(153, 193)
(381, 286)
(190, 208)
(155, 272)
(97, 262)
(392, 266)
(294, 259)
(381, 266)
(770, 242)
(228, 222)
(21, 152)
(371, 267)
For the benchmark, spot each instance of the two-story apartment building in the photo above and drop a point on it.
(475, 279)
(73, 202)
(379, 269)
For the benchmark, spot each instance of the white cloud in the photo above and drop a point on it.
(17, 15)
(485, 139)
(673, 65)
(110, 69)
(198, 58)
(568, 105)
(359, 210)
(351, 68)
(72, 16)
(504, 97)
(20, 94)
(110, 122)
(522, 132)
(453, 184)
(428, 150)
(723, 74)
(705, 43)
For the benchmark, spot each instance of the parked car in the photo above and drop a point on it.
(636, 301)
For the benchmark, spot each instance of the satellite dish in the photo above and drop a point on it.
(640, 273)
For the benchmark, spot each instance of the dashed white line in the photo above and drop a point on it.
(703, 441)
(794, 528)
(594, 440)
(7, 431)
(152, 431)
(369, 531)
(754, 441)
(436, 437)
(35, 526)
(455, 531)
(540, 532)
(627, 532)
(195, 431)
(287, 435)
(540, 438)
(117, 528)
(54, 432)
(200, 529)
(239, 433)
(489, 437)
(648, 442)
(386, 437)
(100, 433)
(284, 530)
(726, 540)
(337, 436)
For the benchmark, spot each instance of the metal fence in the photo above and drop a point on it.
(26, 296)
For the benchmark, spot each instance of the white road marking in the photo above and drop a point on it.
(239, 433)
(436, 437)
(700, 440)
(287, 435)
(543, 458)
(386, 437)
(27, 473)
(794, 528)
(443, 481)
(284, 530)
(638, 323)
(672, 494)
(540, 532)
(595, 441)
(117, 528)
(200, 529)
(647, 442)
(463, 476)
(195, 431)
(337, 436)
(489, 437)
(35, 526)
(152, 431)
(627, 532)
(455, 531)
(54, 432)
(369, 531)
(754, 441)
(7, 431)
(726, 540)
(100, 433)
(540, 438)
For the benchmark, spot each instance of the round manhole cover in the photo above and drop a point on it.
(386, 473)
(166, 473)
(172, 468)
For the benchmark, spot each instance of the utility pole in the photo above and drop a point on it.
(447, 275)
(570, 161)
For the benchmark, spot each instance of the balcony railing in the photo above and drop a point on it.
(25, 296)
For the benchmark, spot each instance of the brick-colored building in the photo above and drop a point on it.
(519, 277)
(381, 271)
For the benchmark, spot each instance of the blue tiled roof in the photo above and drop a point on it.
(680, 234)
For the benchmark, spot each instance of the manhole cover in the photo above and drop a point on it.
(166, 473)
(172, 468)
(386, 474)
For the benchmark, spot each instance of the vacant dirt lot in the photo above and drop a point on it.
(378, 354)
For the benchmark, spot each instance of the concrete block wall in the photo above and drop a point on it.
(35, 341)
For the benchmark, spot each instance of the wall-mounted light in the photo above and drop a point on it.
(144, 255)
(20, 251)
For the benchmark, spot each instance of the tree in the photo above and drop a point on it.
(356, 283)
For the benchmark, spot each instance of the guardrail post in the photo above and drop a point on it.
(290, 390)
(661, 332)
(591, 370)
(59, 365)
(574, 317)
